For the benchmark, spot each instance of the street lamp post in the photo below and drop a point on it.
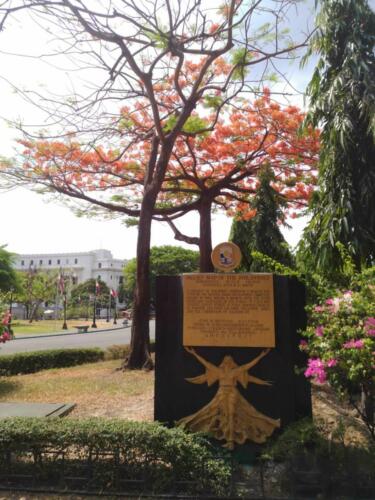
(10, 314)
(115, 312)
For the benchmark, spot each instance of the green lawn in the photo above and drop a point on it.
(23, 327)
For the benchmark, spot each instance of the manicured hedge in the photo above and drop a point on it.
(31, 362)
(110, 455)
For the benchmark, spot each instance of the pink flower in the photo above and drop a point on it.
(319, 330)
(332, 362)
(316, 369)
(303, 344)
(5, 336)
(354, 344)
(334, 304)
(319, 309)
(370, 327)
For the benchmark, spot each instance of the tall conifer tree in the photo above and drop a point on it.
(262, 232)
(342, 102)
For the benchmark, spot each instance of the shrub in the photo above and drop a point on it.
(315, 458)
(340, 343)
(162, 459)
(31, 362)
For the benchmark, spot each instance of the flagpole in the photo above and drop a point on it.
(61, 280)
(109, 306)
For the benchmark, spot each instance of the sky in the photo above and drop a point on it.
(30, 224)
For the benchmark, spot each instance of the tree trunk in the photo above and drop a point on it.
(139, 356)
(367, 406)
(205, 242)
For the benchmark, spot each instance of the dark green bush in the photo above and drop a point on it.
(163, 459)
(31, 362)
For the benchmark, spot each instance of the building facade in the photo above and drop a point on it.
(80, 266)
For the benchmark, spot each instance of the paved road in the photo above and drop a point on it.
(103, 339)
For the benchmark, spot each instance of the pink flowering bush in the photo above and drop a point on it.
(340, 344)
(4, 331)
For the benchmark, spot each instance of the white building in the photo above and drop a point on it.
(80, 266)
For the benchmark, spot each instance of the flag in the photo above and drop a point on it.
(61, 283)
(113, 293)
(97, 287)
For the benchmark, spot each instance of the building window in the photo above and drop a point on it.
(75, 261)
(100, 265)
(40, 262)
(111, 278)
(99, 277)
(31, 262)
(58, 261)
(74, 280)
(49, 262)
(121, 279)
(22, 262)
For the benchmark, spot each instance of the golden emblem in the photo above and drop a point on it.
(228, 416)
(226, 256)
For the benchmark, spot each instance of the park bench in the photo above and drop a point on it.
(82, 328)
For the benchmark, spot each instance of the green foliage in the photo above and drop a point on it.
(212, 101)
(317, 287)
(35, 288)
(84, 293)
(159, 38)
(164, 260)
(240, 57)
(146, 450)
(311, 445)
(342, 102)
(8, 276)
(77, 311)
(301, 436)
(31, 362)
(262, 232)
(193, 125)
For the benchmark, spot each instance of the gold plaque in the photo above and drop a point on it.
(226, 256)
(228, 310)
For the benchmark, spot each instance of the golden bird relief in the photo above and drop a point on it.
(229, 416)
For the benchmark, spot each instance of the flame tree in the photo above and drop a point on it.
(161, 61)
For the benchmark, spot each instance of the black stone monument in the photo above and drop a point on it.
(287, 399)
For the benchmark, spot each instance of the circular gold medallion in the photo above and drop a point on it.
(226, 257)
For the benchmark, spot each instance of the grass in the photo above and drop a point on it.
(98, 389)
(45, 326)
